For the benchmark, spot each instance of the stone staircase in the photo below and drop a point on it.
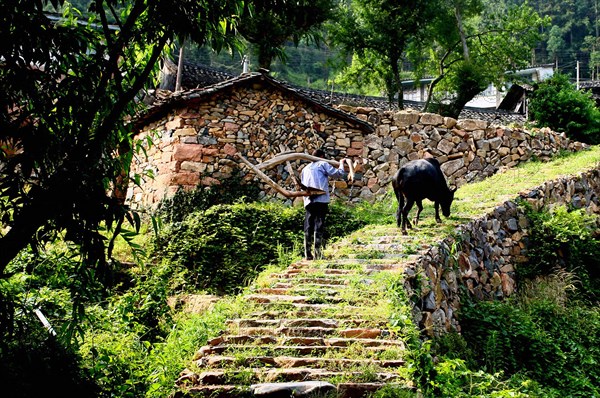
(316, 329)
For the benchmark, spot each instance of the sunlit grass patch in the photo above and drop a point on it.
(471, 201)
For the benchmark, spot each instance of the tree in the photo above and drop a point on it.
(269, 24)
(67, 86)
(592, 45)
(556, 44)
(377, 32)
(473, 49)
(557, 104)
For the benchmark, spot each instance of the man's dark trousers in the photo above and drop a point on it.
(314, 228)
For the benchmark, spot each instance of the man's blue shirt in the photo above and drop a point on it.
(316, 175)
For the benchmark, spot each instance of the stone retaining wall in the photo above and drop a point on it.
(468, 150)
(196, 143)
(484, 253)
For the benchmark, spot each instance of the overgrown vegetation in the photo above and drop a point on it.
(122, 338)
(223, 248)
(566, 240)
(543, 341)
(184, 202)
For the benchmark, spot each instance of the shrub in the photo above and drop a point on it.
(454, 379)
(546, 332)
(182, 203)
(223, 248)
(341, 220)
(557, 104)
(553, 344)
(28, 352)
(564, 239)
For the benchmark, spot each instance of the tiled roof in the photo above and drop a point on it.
(336, 98)
(164, 100)
(490, 115)
(199, 81)
(197, 76)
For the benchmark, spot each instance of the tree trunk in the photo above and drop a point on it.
(264, 57)
(456, 106)
(179, 67)
(397, 84)
(461, 31)
(26, 224)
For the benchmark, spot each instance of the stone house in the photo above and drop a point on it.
(196, 134)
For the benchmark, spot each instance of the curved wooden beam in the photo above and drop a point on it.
(275, 186)
(287, 157)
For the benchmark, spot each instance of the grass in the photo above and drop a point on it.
(479, 198)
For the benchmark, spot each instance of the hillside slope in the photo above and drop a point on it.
(333, 326)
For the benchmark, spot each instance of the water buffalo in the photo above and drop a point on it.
(417, 180)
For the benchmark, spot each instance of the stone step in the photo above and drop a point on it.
(326, 264)
(297, 291)
(269, 375)
(372, 351)
(314, 332)
(289, 389)
(329, 266)
(317, 308)
(288, 362)
(306, 341)
(325, 286)
(215, 391)
(364, 262)
(389, 266)
(366, 314)
(306, 322)
(298, 299)
(306, 280)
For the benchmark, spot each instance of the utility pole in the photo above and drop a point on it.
(179, 67)
(577, 75)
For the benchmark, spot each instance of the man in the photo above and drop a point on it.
(316, 176)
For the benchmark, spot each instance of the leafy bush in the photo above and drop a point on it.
(543, 341)
(564, 239)
(341, 220)
(182, 203)
(35, 364)
(28, 352)
(552, 343)
(557, 104)
(223, 248)
(453, 378)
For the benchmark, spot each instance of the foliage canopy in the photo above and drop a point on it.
(67, 87)
(557, 104)
(269, 24)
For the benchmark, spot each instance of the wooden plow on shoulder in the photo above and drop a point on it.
(287, 157)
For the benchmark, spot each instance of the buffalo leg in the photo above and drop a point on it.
(400, 199)
(419, 210)
(405, 211)
(437, 213)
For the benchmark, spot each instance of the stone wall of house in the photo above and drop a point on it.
(484, 253)
(197, 144)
